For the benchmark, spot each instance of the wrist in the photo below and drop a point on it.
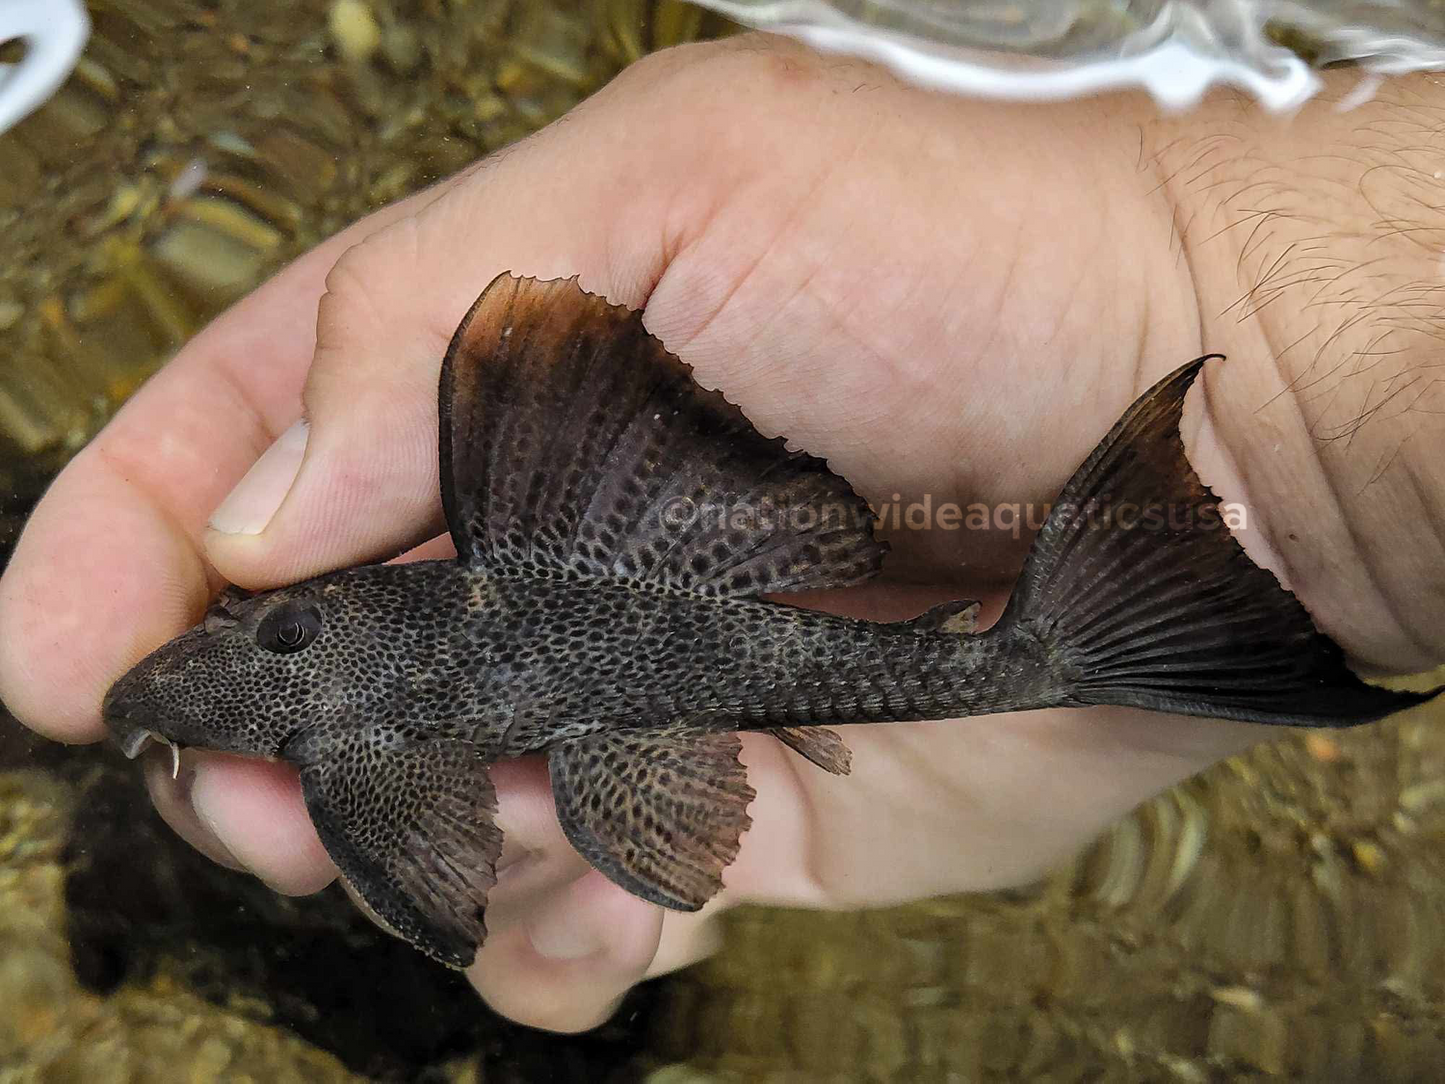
(1314, 246)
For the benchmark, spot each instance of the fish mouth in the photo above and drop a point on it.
(124, 718)
(134, 743)
(137, 741)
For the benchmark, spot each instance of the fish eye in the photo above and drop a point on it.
(288, 628)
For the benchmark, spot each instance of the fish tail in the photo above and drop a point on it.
(1138, 594)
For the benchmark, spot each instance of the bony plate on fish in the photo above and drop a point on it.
(598, 613)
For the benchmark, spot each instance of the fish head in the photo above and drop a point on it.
(260, 668)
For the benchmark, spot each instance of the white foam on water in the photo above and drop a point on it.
(1176, 50)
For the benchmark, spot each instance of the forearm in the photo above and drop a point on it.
(1314, 245)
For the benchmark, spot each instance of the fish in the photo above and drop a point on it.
(617, 528)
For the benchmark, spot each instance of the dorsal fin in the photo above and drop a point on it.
(573, 445)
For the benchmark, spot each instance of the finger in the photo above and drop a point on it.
(534, 850)
(566, 967)
(244, 813)
(366, 484)
(171, 795)
(686, 939)
(76, 610)
(563, 943)
(563, 957)
(536, 862)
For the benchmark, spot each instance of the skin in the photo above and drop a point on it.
(941, 296)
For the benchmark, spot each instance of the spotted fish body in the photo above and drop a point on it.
(616, 527)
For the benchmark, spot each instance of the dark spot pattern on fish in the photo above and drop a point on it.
(596, 613)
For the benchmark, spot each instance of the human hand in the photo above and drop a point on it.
(918, 288)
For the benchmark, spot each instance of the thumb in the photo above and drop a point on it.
(359, 482)
(355, 477)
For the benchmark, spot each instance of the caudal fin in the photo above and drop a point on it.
(1142, 597)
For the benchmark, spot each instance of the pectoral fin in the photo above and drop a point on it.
(660, 813)
(409, 825)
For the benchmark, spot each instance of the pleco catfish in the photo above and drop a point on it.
(616, 526)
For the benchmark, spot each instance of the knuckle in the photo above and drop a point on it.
(355, 301)
(364, 321)
(747, 65)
